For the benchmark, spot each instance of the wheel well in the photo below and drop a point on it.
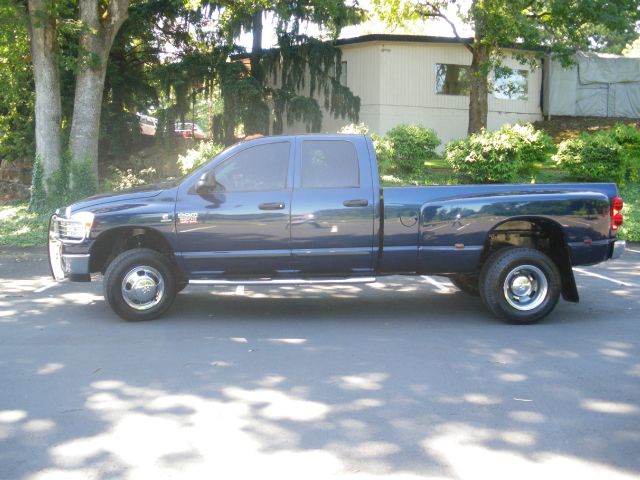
(541, 234)
(113, 242)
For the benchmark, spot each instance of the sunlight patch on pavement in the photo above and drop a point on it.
(150, 433)
(12, 416)
(50, 368)
(471, 453)
(364, 381)
(602, 406)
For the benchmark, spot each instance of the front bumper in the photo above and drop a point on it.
(618, 249)
(74, 266)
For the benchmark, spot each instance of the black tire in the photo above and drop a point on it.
(520, 285)
(468, 283)
(141, 265)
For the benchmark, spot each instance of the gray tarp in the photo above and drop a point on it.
(598, 85)
(601, 68)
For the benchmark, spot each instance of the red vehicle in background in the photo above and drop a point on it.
(189, 130)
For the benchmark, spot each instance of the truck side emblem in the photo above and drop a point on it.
(165, 218)
(187, 218)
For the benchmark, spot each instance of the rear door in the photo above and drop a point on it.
(332, 216)
(241, 228)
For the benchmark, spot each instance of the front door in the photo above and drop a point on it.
(332, 216)
(240, 227)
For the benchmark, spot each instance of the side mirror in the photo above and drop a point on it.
(206, 182)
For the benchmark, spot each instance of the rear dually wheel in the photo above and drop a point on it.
(520, 285)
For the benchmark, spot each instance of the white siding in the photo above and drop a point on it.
(396, 84)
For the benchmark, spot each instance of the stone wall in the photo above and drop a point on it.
(15, 180)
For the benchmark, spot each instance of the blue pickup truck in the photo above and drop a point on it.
(310, 209)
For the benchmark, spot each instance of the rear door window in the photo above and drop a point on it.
(329, 164)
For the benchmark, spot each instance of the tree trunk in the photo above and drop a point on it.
(258, 121)
(48, 110)
(256, 49)
(479, 95)
(96, 39)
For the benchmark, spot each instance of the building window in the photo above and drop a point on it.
(343, 74)
(509, 84)
(452, 79)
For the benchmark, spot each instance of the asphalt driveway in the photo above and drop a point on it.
(402, 379)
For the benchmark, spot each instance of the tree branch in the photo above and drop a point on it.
(435, 12)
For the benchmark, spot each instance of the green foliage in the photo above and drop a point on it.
(70, 182)
(628, 137)
(82, 181)
(125, 179)
(20, 227)
(384, 153)
(355, 129)
(17, 88)
(596, 158)
(38, 193)
(512, 153)
(412, 146)
(196, 157)
(630, 229)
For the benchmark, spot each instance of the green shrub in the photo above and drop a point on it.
(196, 157)
(592, 158)
(355, 128)
(83, 181)
(411, 146)
(628, 137)
(630, 229)
(123, 179)
(513, 153)
(384, 153)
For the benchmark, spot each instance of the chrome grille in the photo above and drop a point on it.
(61, 227)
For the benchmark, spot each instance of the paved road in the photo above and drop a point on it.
(400, 379)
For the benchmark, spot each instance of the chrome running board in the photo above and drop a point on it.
(283, 281)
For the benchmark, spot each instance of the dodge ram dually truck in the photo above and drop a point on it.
(310, 209)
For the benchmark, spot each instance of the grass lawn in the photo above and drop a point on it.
(21, 228)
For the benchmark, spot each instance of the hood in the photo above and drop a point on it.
(144, 191)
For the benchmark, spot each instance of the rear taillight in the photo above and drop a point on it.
(616, 216)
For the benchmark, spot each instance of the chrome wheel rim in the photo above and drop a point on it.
(525, 287)
(142, 288)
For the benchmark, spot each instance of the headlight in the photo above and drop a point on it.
(76, 228)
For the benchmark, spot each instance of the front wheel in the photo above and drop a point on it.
(139, 284)
(520, 285)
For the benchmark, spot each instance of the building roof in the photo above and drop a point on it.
(384, 37)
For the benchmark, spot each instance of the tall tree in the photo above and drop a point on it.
(48, 110)
(100, 24)
(561, 26)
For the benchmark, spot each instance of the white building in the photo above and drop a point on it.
(424, 80)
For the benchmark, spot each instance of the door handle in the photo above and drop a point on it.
(360, 202)
(271, 206)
